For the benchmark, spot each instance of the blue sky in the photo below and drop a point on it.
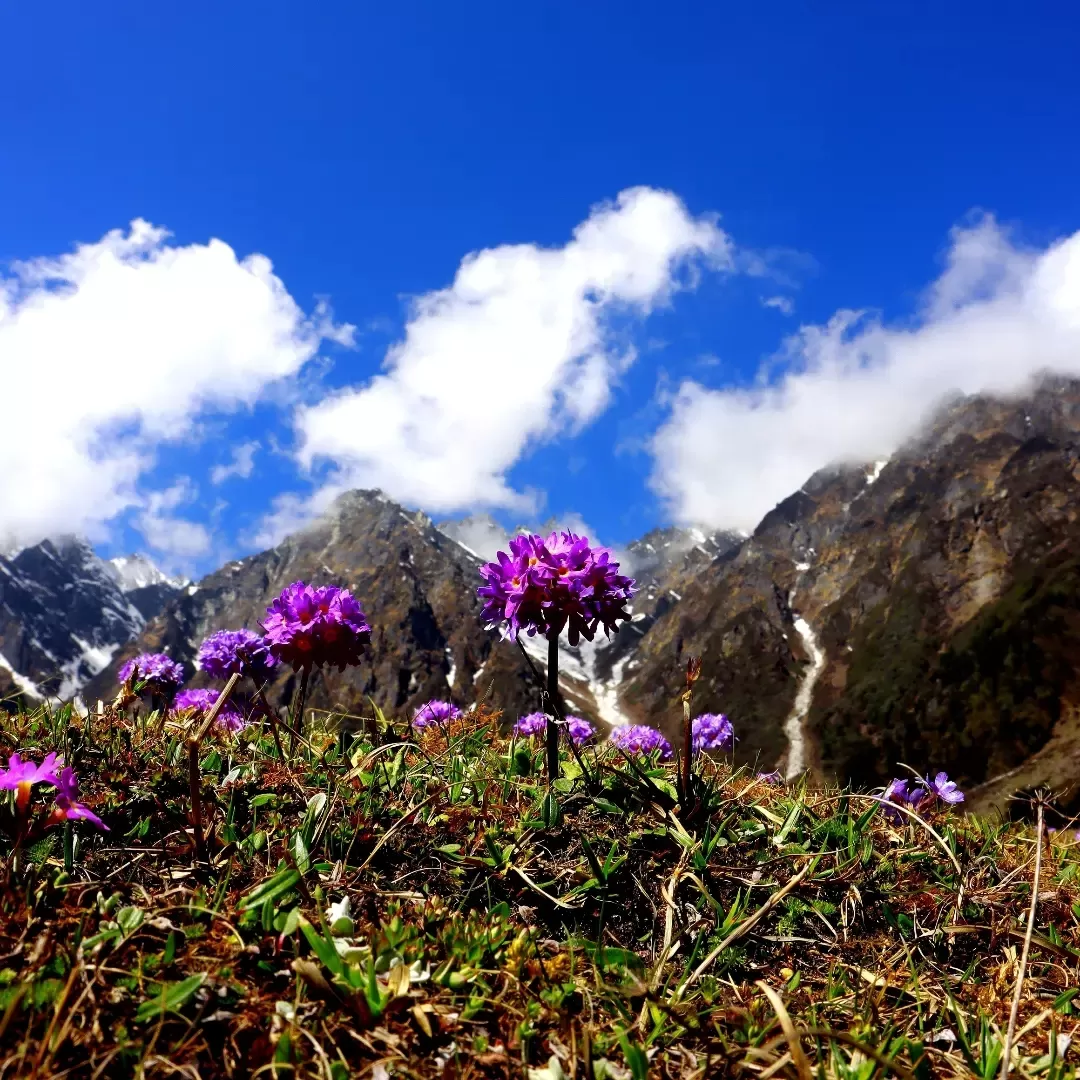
(824, 161)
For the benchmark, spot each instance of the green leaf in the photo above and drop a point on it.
(284, 880)
(130, 919)
(300, 852)
(263, 800)
(173, 997)
(636, 1061)
(323, 947)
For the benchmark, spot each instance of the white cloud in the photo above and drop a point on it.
(241, 465)
(855, 389)
(175, 537)
(123, 344)
(784, 304)
(513, 353)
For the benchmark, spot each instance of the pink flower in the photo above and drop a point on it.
(21, 772)
(67, 805)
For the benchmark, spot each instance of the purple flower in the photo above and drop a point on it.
(308, 627)
(945, 789)
(899, 793)
(435, 712)
(532, 724)
(231, 717)
(543, 585)
(21, 772)
(536, 724)
(67, 805)
(581, 731)
(160, 670)
(640, 739)
(239, 652)
(773, 777)
(712, 731)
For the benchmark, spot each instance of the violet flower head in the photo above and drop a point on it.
(581, 731)
(640, 739)
(231, 716)
(310, 627)
(21, 772)
(542, 586)
(899, 793)
(67, 805)
(433, 712)
(945, 789)
(773, 777)
(160, 670)
(534, 723)
(712, 731)
(236, 652)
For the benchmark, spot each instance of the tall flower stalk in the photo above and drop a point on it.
(543, 586)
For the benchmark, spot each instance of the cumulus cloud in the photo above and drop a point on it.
(855, 389)
(241, 465)
(516, 351)
(121, 345)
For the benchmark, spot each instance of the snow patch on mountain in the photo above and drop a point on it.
(137, 572)
(27, 686)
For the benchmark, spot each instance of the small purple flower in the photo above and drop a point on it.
(542, 586)
(640, 739)
(534, 723)
(580, 730)
(231, 717)
(945, 789)
(712, 731)
(773, 777)
(160, 670)
(236, 652)
(435, 712)
(900, 794)
(308, 627)
(67, 805)
(21, 772)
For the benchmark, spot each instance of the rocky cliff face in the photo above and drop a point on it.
(941, 588)
(63, 614)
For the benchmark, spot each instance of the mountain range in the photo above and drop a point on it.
(923, 610)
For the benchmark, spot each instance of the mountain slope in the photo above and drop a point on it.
(63, 614)
(940, 587)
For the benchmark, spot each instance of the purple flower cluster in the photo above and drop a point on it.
(160, 670)
(433, 712)
(236, 652)
(712, 731)
(773, 777)
(310, 627)
(543, 585)
(20, 776)
(640, 739)
(913, 793)
(231, 717)
(580, 730)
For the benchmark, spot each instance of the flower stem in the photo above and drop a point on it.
(69, 848)
(553, 703)
(298, 711)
